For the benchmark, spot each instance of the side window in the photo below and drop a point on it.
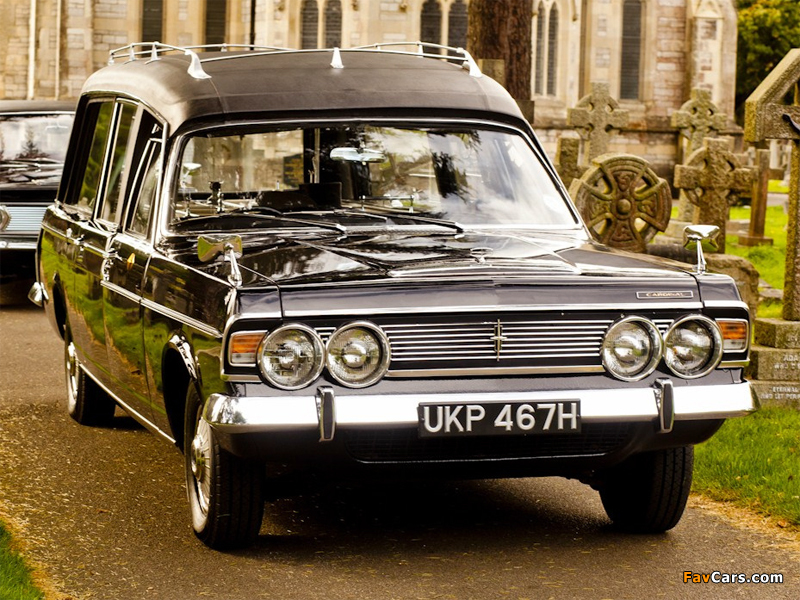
(147, 171)
(89, 184)
(110, 205)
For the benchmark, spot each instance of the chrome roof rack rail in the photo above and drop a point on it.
(152, 51)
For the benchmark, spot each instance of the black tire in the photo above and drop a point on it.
(87, 402)
(648, 492)
(226, 493)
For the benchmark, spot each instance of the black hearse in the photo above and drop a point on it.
(361, 262)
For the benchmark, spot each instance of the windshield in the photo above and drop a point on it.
(31, 143)
(473, 177)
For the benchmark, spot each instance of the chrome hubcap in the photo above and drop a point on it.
(72, 376)
(200, 463)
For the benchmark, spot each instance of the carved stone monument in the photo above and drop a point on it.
(775, 358)
(758, 201)
(596, 117)
(696, 120)
(568, 152)
(623, 202)
(712, 179)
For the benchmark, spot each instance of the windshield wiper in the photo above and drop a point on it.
(432, 220)
(260, 212)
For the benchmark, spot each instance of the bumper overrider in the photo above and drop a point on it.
(325, 412)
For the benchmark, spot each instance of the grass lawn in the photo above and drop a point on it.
(754, 462)
(15, 575)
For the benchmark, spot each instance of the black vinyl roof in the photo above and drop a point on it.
(239, 84)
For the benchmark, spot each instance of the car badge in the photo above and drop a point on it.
(659, 295)
(498, 338)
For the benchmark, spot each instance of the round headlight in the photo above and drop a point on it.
(631, 348)
(358, 354)
(291, 357)
(693, 346)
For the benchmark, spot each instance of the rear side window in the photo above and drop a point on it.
(86, 198)
(109, 210)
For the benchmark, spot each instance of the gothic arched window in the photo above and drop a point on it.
(630, 59)
(333, 24)
(457, 22)
(309, 23)
(538, 79)
(431, 22)
(552, 51)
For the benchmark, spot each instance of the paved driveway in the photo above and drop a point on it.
(104, 512)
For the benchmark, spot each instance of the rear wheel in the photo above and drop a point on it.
(87, 402)
(226, 493)
(648, 492)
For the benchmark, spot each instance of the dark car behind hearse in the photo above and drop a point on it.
(360, 263)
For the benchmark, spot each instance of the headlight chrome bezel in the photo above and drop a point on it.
(382, 366)
(715, 356)
(318, 349)
(656, 348)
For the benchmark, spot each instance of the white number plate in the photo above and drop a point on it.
(514, 418)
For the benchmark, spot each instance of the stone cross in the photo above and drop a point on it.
(596, 116)
(567, 156)
(623, 202)
(767, 116)
(712, 179)
(698, 118)
(758, 201)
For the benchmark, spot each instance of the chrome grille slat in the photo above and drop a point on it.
(24, 219)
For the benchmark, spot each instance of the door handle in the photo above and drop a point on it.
(108, 259)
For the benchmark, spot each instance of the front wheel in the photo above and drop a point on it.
(647, 493)
(87, 402)
(226, 493)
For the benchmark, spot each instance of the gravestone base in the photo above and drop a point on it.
(754, 240)
(777, 393)
(775, 363)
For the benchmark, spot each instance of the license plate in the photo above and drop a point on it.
(511, 418)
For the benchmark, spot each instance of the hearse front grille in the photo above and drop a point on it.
(25, 219)
(404, 445)
(497, 340)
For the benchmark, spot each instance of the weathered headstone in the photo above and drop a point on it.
(567, 156)
(712, 179)
(696, 120)
(758, 201)
(775, 357)
(768, 117)
(623, 202)
(596, 117)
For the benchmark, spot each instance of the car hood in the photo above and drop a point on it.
(389, 271)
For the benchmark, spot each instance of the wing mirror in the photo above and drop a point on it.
(230, 247)
(697, 234)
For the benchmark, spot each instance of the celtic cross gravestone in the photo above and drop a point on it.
(596, 117)
(712, 179)
(623, 202)
(567, 157)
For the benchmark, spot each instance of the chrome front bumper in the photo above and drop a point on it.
(661, 404)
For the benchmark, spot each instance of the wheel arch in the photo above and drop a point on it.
(178, 371)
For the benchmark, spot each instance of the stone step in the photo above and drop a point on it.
(774, 364)
(777, 393)
(777, 333)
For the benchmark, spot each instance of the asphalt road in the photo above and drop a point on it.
(103, 513)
